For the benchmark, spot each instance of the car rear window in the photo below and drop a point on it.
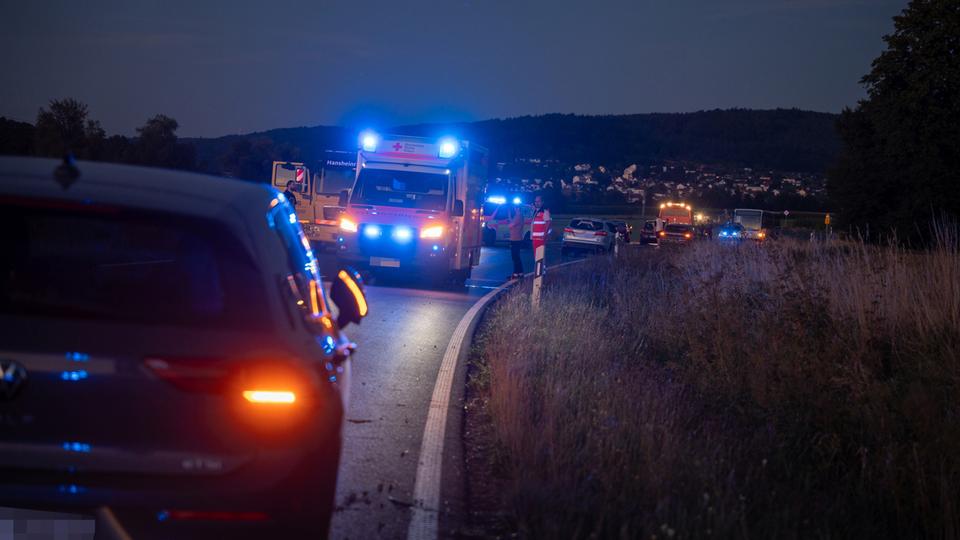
(586, 225)
(123, 265)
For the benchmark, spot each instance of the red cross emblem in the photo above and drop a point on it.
(397, 146)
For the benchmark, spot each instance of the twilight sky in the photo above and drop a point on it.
(235, 67)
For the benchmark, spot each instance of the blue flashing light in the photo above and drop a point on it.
(163, 515)
(517, 200)
(74, 375)
(402, 234)
(75, 446)
(448, 147)
(369, 141)
(497, 199)
(328, 344)
(72, 489)
(436, 247)
(293, 218)
(736, 234)
(78, 356)
(372, 231)
(333, 378)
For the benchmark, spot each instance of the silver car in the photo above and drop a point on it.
(585, 233)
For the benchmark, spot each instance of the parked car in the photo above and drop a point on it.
(170, 361)
(676, 233)
(650, 230)
(586, 233)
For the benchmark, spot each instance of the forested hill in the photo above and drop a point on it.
(783, 139)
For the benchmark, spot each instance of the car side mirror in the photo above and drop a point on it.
(347, 293)
(344, 198)
(458, 208)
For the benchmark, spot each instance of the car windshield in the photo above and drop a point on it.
(586, 225)
(407, 189)
(122, 265)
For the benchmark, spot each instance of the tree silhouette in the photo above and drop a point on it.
(899, 164)
(157, 145)
(65, 128)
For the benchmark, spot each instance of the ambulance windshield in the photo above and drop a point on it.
(407, 189)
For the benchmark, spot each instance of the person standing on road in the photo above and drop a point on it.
(516, 240)
(289, 193)
(541, 222)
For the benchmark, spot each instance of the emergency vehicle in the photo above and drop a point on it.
(318, 193)
(496, 218)
(671, 212)
(415, 206)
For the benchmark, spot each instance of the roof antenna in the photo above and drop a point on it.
(67, 172)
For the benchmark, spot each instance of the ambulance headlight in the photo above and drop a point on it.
(402, 234)
(447, 148)
(434, 231)
(369, 141)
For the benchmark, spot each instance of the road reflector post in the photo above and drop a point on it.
(538, 266)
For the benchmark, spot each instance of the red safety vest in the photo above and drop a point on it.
(539, 227)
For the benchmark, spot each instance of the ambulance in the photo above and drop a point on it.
(318, 193)
(415, 207)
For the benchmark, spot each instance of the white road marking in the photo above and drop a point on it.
(425, 520)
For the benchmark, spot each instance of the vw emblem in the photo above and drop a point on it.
(12, 378)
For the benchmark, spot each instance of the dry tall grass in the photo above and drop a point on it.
(792, 390)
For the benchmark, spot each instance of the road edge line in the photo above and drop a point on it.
(425, 518)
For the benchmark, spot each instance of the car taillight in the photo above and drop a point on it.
(567, 230)
(255, 382)
(600, 233)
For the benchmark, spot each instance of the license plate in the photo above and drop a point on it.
(383, 261)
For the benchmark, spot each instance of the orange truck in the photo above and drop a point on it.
(680, 213)
(415, 206)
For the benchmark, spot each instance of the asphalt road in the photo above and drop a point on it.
(401, 344)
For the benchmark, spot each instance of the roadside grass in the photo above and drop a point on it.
(791, 390)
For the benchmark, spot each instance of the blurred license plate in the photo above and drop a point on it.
(383, 261)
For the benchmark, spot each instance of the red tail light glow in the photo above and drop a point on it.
(278, 397)
(600, 233)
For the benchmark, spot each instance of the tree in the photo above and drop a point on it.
(65, 128)
(157, 145)
(899, 164)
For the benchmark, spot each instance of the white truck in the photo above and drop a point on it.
(318, 193)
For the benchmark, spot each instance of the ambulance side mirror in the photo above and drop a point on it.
(458, 208)
(347, 293)
(344, 198)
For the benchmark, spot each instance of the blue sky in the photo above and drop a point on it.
(233, 67)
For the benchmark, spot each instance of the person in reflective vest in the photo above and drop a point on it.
(540, 228)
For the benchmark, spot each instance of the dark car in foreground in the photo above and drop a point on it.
(676, 233)
(170, 362)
